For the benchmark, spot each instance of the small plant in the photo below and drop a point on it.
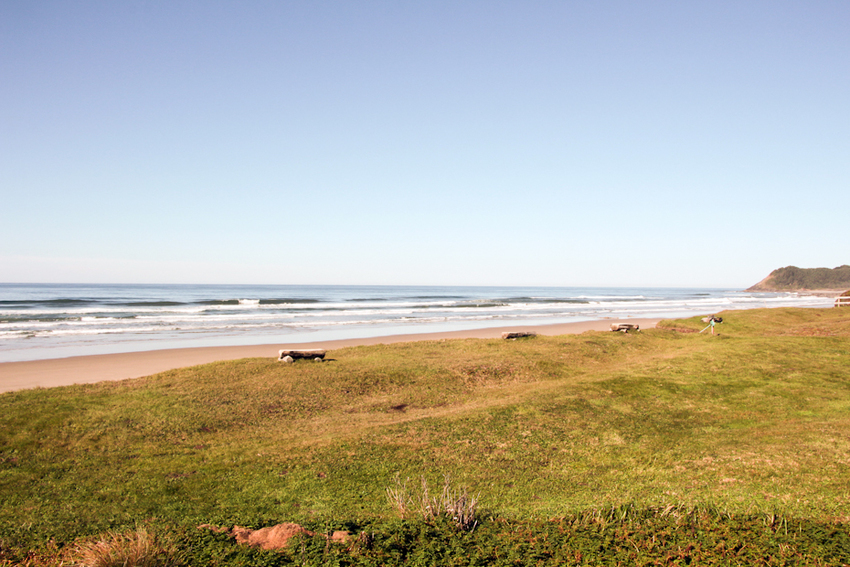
(138, 548)
(451, 503)
(399, 497)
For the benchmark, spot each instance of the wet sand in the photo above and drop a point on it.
(97, 368)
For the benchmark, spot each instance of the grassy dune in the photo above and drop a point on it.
(794, 278)
(750, 425)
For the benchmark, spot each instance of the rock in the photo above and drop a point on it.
(287, 359)
(241, 534)
(276, 537)
(273, 537)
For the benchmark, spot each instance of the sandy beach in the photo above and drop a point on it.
(97, 368)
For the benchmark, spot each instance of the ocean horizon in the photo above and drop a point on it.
(42, 321)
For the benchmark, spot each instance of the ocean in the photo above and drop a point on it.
(40, 321)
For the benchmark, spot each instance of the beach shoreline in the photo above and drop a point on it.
(89, 369)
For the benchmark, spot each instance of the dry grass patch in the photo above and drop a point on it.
(451, 503)
(138, 548)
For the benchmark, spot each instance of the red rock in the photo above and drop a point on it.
(275, 537)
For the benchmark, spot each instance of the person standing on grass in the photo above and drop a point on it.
(711, 321)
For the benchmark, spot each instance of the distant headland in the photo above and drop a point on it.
(792, 278)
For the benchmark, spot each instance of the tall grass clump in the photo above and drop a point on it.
(451, 503)
(138, 548)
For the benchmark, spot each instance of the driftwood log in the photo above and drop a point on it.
(624, 327)
(517, 334)
(313, 353)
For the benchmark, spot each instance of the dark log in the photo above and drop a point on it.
(624, 327)
(517, 334)
(304, 353)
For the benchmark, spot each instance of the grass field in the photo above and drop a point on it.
(666, 438)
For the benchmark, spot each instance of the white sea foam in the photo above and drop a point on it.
(87, 318)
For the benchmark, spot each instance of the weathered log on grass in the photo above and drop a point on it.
(313, 353)
(517, 334)
(624, 327)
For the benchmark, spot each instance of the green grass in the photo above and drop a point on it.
(750, 423)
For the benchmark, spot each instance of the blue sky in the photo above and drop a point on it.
(504, 143)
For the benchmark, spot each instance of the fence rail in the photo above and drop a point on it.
(842, 301)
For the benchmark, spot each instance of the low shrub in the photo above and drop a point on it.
(623, 535)
(455, 504)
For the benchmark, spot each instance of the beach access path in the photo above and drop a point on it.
(98, 368)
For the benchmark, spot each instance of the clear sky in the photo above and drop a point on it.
(452, 142)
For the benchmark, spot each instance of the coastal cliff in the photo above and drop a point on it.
(792, 278)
